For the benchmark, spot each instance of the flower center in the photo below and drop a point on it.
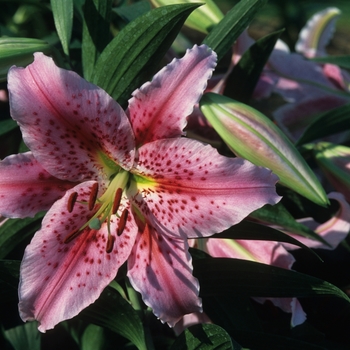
(107, 205)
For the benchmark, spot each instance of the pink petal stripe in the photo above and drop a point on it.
(26, 188)
(196, 191)
(66, 121)
(60, 279)
(159, 108)
(160, 268)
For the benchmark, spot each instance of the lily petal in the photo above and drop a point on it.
(26, 188)
(159, 108)
(319, 29)
(160, 268)
(59, 279)
(67, 122)
(190, 188)
(333, 231)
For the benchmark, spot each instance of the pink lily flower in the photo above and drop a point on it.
(135, 190)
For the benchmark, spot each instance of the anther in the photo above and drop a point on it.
(117, 199)
(71, 201)
(122, 222)
(93, 196)
(110, 243)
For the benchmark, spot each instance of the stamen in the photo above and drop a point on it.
(71, 201)
(69, 238)
(117, 199)
(93, 196)
(110, 243)
(122, 222)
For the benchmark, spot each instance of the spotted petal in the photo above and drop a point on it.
(26, 188)
(59, 279)
(67, 122)
(160, 268)
(159, 108)
(190, 188)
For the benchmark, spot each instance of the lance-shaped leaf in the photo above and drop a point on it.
(253, 136)
(96, 32)
(19, 52)
(205, 337)
(121, 71)
(327, 123)
(222, 37)
(63, 16)
(202, 19)
(341, 61)
(334, 160)
(113, 312)
(219, 276)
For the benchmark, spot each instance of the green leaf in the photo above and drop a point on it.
(63, 16)
(204, 337)
(236, 277)
(247, 71)
(202, 19)
(111, 311)
(132, 11)
(19, 52)
(278, 215)
(93, 338)
(341, 61)
(96, 33)
(24, 337)
(9, 278)
(7, 125)
(223, 36)
(133, 55)
(327, 123)
(15, 231)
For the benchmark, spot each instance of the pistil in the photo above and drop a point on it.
(107, 205)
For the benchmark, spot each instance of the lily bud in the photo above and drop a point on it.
(334, 160)
(253, 136)
(203, 19)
